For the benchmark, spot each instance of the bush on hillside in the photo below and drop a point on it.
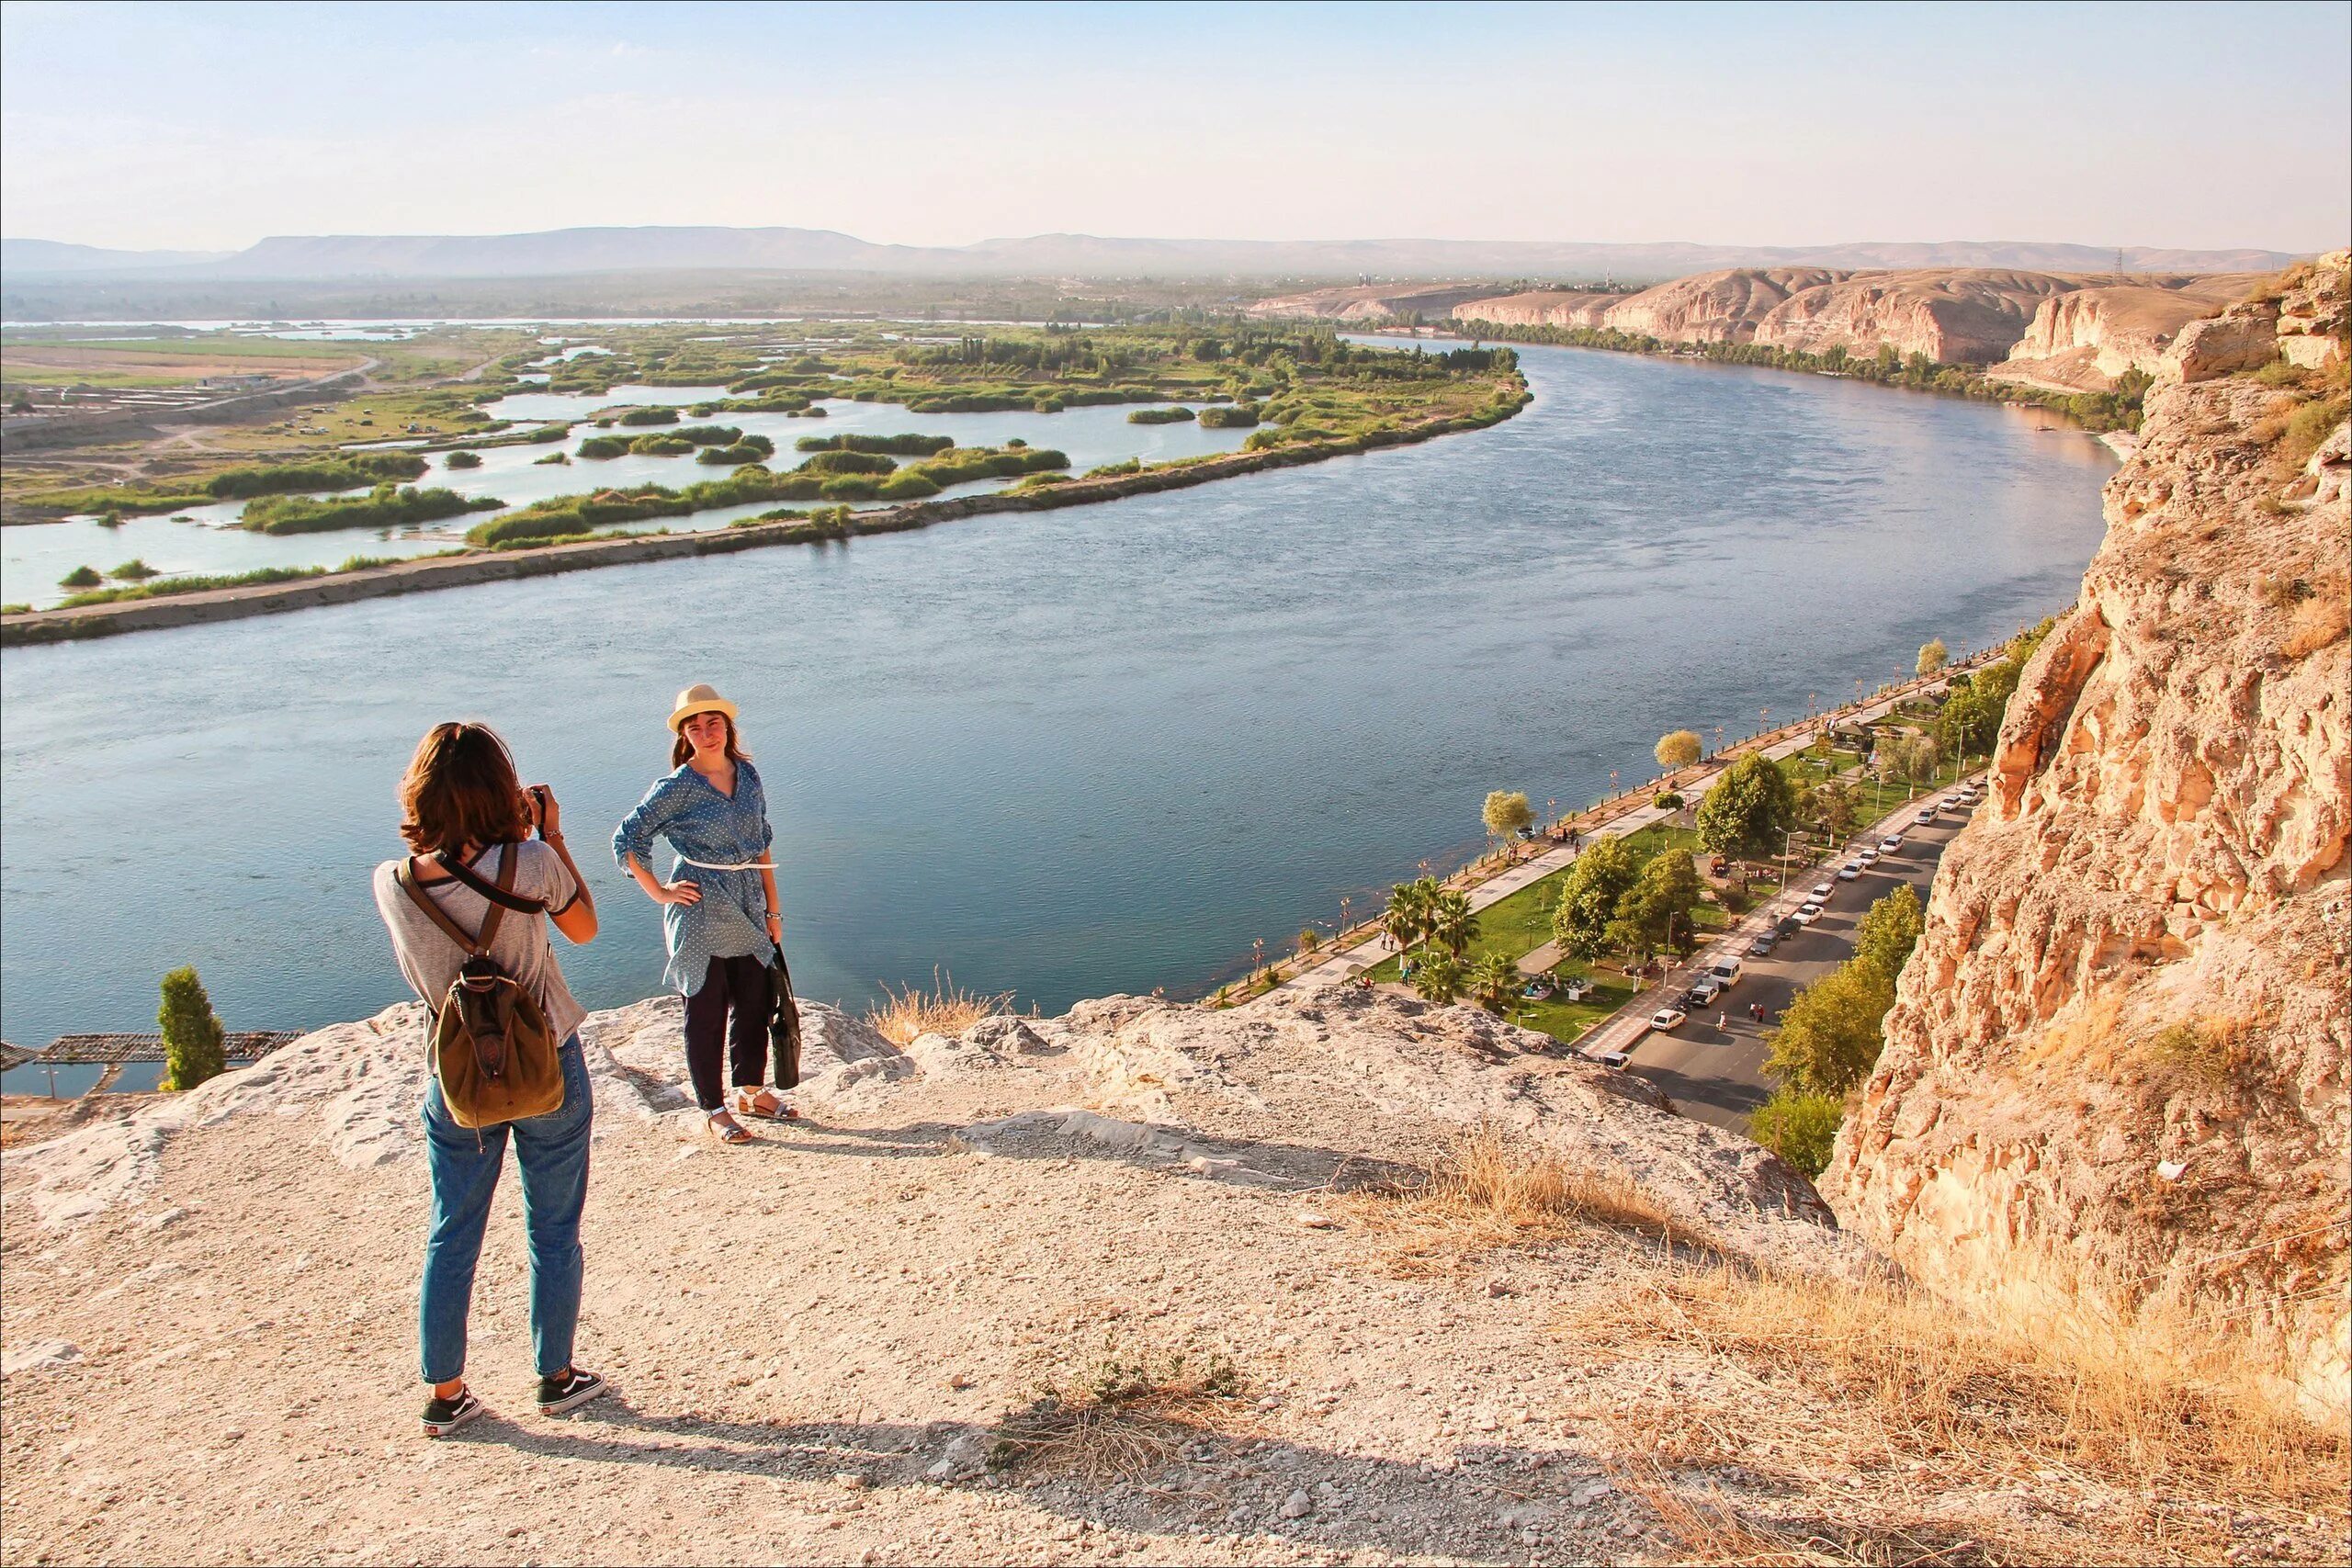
(195, 1047)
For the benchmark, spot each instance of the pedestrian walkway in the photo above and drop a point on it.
(1345, 963)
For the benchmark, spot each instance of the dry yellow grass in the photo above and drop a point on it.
(1490, 1189)
(1881, 1381)
(945, 1008)
(1122, 1416)
(2319, 620)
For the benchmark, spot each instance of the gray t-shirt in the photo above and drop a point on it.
(429, 960)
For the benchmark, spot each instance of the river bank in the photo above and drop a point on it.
(380, 581)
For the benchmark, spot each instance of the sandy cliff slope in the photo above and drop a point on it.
(2117, 1058)
(2084, 339)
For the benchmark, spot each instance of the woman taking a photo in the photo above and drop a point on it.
(478, 882)
(719, 918)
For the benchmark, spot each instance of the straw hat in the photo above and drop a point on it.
(699, 698)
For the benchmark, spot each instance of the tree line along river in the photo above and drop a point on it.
(1056, 753)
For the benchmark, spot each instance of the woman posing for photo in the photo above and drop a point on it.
(719, 918)
(478, 881)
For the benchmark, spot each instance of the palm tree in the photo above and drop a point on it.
(1438, 977)
(1451, 924)
(1494, 983)
(1406, 916)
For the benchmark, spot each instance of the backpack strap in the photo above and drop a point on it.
(501, 893)
(405, 874)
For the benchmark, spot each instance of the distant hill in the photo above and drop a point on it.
(51, 257)
(564, 252)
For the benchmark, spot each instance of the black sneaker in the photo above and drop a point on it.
(442, 1416)
(561, 1395)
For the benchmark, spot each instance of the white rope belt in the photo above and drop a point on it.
(732, 866)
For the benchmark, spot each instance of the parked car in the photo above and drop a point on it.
(1807, 913)
(1764, 943)
(1724, 972)
(1667, 1019)
(1850, 870)
(1611, 1058)
(1926, 816)
(1867, 855)
(1702, 993)
(1890, 843)
(1822, 891)
(1788, 925)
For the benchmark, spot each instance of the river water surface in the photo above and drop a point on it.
(1059, 753)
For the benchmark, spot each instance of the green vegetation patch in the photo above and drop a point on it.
(386, 506)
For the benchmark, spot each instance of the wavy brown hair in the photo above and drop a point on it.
(682, 748)
(460, 788)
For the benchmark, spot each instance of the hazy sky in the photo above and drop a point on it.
(208, 127)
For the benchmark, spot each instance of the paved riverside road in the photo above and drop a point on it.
(1717, 1075)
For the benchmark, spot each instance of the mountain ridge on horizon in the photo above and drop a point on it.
(613, 249)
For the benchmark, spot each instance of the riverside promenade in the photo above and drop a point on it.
(1345, 962)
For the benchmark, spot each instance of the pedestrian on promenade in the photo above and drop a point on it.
(721, 919)
(470, 896)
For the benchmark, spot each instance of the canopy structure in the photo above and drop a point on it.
(69, 1049)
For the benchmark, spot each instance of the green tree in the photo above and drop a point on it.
(1677, 748)
(1494, 983)
(1912, 758)
(1829, 1037)
(194, 1046)
(1833, 805)
(1749, 810)
(1589, 895)
(1933, 656)
(1970, 722)
(1452, 926)
(1437, 976)
(1658, 906)
(1888, 931)
(1507, 812)
(1309, 939)
(1801, 1128)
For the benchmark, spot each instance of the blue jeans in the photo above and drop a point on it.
(464, 1163)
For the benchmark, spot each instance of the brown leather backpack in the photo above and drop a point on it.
(490, 1045)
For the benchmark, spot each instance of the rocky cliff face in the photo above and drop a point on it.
(2117, 1061)
(1714, 307)
(1541, 308)
(1368, 302)
(1966, 316)
(2066, 331)
(2084, 339)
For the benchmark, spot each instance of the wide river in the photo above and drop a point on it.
(1061, 753)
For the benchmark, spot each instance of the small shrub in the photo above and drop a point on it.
(650, 416)
(945, 1008)
(2308, 427)
(1179, 415)
(195, 1048)
(80, 576)
(2195, 1052)
(2319, 620)
(463, 459)
(133, 571)
(1121, 1416)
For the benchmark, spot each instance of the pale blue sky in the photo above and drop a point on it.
(203, 126)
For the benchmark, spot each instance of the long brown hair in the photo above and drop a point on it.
(682, 748)
(460, 788)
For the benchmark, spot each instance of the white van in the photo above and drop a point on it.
(1725, 971)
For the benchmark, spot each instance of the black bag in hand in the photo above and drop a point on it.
(784, 1025)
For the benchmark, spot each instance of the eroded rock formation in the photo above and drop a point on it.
(2083, 339)
(2117, 1061)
